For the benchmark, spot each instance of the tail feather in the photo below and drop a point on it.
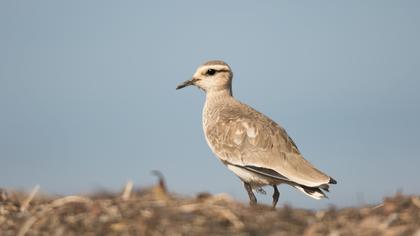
(332, 181)
(316, 192)
(313, 192)
(325, 187)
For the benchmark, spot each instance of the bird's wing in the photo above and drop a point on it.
(245, 137)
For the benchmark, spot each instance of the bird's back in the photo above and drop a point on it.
(241, 136)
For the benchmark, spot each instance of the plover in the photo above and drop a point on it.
(254, 147)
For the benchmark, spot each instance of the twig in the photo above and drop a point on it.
(230, 216)
(162, 184)
(28, 200)
(69, 199)
(188, 208)
(416, 201)
(377, 206)
(220, 197)
(127, 190)
(220, 211)
(56, 203)
(3, 195)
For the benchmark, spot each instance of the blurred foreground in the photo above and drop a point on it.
(153, 211)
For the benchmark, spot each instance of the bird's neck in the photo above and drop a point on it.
(215, 100)
(220, 94)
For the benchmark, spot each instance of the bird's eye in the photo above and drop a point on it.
(211, 72)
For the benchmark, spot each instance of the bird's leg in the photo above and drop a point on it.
(276, 196)
(252, 198)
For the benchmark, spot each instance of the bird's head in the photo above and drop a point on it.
(211, 76)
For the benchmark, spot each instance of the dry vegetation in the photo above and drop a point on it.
(153, 211)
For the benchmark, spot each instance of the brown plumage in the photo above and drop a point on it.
(249, 143)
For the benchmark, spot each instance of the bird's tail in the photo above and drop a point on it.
(313, 192)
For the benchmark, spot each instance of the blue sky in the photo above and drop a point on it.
(88, 99)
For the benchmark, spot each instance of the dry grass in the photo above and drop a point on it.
(154, 211)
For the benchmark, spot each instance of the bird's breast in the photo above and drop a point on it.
(212, 129)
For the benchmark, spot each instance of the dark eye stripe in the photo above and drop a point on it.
(223, 70)
(213, 71)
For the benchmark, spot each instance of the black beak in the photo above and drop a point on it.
(185, 84)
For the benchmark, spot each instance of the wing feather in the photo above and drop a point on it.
(245, 137)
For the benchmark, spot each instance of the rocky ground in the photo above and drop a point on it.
(153, 211)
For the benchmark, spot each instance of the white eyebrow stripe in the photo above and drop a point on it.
(204, 69)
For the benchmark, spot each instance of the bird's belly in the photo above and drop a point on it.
(249, 177)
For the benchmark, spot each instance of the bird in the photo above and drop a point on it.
(249, 143)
